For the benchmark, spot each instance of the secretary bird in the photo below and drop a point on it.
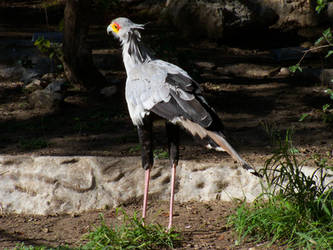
(158, 87)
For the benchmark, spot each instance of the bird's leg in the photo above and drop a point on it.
(145, 195)
(146, 141)
(173, 145)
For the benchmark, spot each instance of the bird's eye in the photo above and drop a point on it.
(116, 26)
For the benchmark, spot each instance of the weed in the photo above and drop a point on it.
(131, 235)
(24, 247)
(293, 209)
(161, 154)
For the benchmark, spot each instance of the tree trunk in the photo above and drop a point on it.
(78, 63)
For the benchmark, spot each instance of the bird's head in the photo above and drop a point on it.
(121, 27)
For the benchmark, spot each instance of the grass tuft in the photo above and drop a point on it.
(131, 235)
(294, 209)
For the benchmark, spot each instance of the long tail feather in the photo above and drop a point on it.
(219, 139)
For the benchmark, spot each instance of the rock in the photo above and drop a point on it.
(149, 8)
(51, 185)
(28, 75)
(11, 72)
(205, 65)
(209, 18)
(291, 14)
(247, 70)
(34, 85)
(108, 91)
(284, 72)
(214, 18)
(48, 77)
(44, 99)
(50, 97)
(56, 86)
(196, 18)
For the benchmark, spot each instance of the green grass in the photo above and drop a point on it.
(24, 247)
(131, 234)
(295, 210)
(161, 154)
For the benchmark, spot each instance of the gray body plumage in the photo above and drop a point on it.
(150, 84)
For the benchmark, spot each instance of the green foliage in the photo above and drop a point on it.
(161, 154)
(326, 39)
(43, 45)
(295, 67)
(303, 116)
(53, 50)
(330, 93)
(321, 4)
(131, 235)
(325, 112)
(294, 209)
(23, 247)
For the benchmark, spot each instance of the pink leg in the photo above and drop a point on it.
(145, 196)
(173, 176)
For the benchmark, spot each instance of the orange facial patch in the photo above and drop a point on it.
(115, 27)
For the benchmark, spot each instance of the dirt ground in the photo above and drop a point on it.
(202, 226)
(87, 124)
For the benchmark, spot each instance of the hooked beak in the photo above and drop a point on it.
(109, 30)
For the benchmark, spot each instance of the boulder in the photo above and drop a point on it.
(292, 14)
(213, 18)
(51, 185)
(44, 99)
(34, 85)
(11, 72)
(209, 18)
(196, 18)
(57, 86)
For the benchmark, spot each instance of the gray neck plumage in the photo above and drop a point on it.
(134, 52)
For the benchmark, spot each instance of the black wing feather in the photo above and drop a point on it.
(196, 110)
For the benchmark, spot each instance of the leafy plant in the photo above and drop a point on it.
(321, 4)
(325, 41)
(53, 50)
